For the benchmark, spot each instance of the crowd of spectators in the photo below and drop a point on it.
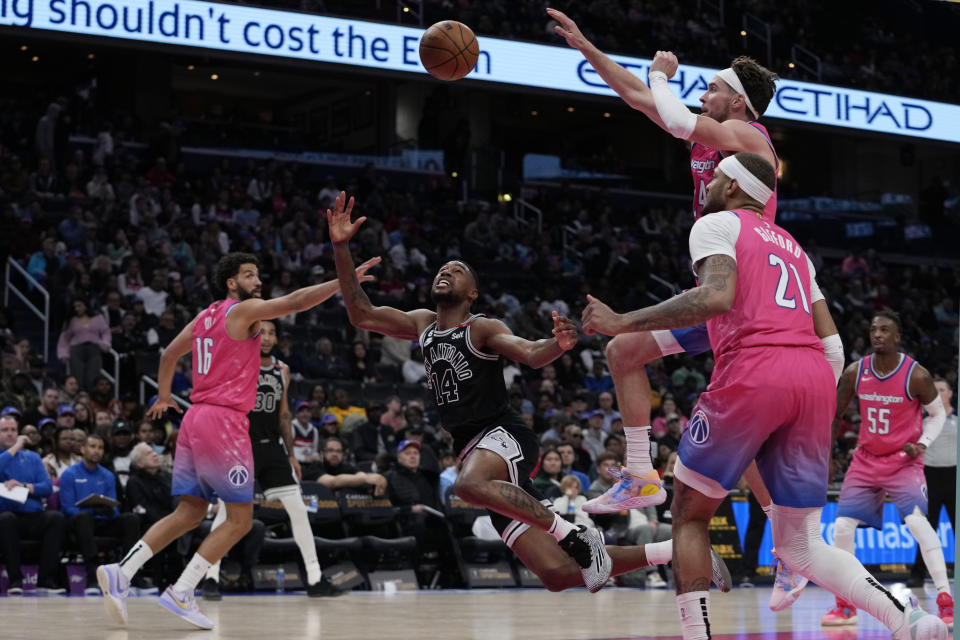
(862, 44)
(125, 243)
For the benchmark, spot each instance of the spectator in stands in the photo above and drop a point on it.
(118, 458)
(129, 282)
(306, 437)
(148, 489)
(47, 427)
(616, 444)
(101, 399)
(451, 468)
(606, 460)
(102, 423)
(854, 265)
(599, 380)
(154, 295)
(573, 435)
(38, 375)
(372, 438)
(328, 425)
(67, 416)
(595, 435)
(570, 503)
(88, 478)
(20, 467)
(341, 406)
(393, 416)
(336, 475)
(33, 438)
(411, 491)
(568, 458)
(605, 406)
(48, 408)
(413, 370)
(62, 456)
(82, 342)
(326, 364)
(83, 419)
(45, 264)
(667, 408)
(69, 390)
(79, 436)
(549, 475)
(360, 364)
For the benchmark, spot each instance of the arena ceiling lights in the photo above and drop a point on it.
(302, 36)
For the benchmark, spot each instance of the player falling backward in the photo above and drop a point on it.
(771, 399)
(276, 469)
(735, 98)
(214, 458)
(462, 354)
(890, 388)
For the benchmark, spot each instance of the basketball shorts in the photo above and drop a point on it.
(271, 465)
(772, 405)
(692, 340)
(517, 444)
(214, 458)
(870, 479)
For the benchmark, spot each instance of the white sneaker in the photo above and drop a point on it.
(920, 625)
(786, 587)
(587, 548)
(654, 581)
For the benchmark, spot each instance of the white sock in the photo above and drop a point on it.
(214, 571)
(694, 608)
(930, 549)
(135, 558)
(796, 534)
(302, 533)
(844, 532)
(192, 575)
(659, 552)
(560, 527)
(638, 450)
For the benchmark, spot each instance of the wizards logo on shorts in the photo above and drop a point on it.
(238, 475)
(699, 427)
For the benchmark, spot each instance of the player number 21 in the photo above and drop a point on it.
(204, 355)
(881, 417)
(780, 297)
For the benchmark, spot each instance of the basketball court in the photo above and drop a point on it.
(612, 614)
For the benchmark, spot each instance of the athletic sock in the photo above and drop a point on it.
(214, 571)
(659, 552)
(638, 450)
(135, 558)
(560, 527)
(694, 608)
(302, 533)
(192, 575)
(930, 549)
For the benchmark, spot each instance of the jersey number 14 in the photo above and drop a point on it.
(445, 388)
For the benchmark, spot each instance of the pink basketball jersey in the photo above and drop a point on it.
(771, 307)
(889, 416)
(703, 163)
(225, 371)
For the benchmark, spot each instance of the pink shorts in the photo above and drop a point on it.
(870, 479)
(214, 457)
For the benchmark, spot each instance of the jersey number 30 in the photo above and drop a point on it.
(878, 420)
(445, 388)
(204, 355)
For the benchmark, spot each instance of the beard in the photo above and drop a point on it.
(444, 297)
(243, 294)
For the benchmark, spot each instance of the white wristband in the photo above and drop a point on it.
(678, 120)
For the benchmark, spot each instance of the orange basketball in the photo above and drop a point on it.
(449, 50)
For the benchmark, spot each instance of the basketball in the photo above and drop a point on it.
(449, 50)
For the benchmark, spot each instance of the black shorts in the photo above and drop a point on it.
(271, 465)
(519, 447)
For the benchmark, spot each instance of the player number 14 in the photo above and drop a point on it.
(878, 420)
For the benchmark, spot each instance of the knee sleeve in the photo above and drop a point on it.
(284, 494)
(221, 516)
(921, 529)
(844, 530)
(795, 533)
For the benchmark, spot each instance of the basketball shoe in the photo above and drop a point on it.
(841, 615)
(920, 625)
(630, 491)
(720, 573)
(786, 587)
(115, 588)
(185, 607)
(945, 609)
(587, 548)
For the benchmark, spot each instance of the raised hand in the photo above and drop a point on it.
(564, 331)
(159, 407)
(666, 62)
(599, 318)
(338, 221)
(568, 29)
(366, 266)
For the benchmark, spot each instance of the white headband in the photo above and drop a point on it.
(729, 76)
(748, 183)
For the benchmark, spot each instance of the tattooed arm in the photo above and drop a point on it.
(713, 297)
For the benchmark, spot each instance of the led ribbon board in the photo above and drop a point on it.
(302, 36)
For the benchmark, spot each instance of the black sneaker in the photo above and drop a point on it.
(586, 546)
(15, 588)
(323, 589)
(49, 587)
(211, 590)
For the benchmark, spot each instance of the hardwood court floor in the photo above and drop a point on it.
(474, 615)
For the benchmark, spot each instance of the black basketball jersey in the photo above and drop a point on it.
(265, 417)
(467, 384)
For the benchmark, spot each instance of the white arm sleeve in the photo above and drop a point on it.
(679, 120)
(833, 352)
(933, 423)
(815, 293)
(713, 234)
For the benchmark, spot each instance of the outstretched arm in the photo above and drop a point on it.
(629, 87)
(713, 297)
(496, 337)
(406, 325)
